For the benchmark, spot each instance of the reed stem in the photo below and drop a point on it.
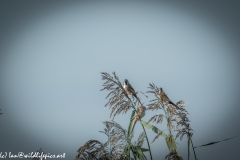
(142, 125)
(193, 150)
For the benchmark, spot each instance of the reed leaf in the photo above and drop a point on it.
(174, 154)
(211, 143)
(144, 149)
(127, 147)
(131, 122)
(137, 152)
(171, 142)
(154, 129)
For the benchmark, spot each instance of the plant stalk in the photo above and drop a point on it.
(193, 150)
(166, 116)
(142, 126)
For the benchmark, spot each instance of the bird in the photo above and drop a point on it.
(128, 88)
(140, 114)
(164, 98)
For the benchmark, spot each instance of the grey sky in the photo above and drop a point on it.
(52, 55)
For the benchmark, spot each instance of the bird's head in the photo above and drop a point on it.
(160, 90)
(142, 108)
(125, 82)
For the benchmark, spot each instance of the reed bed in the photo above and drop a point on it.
(119, 145)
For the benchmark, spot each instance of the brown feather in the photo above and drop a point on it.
(140, 113)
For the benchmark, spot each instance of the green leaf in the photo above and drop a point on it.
(211, 143)
(171, 142)
(154, 129)
(140, 154)
(130, 123)
(127, 147)
(144, 149)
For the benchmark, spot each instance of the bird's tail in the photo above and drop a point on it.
(137, 98)
(174, 104)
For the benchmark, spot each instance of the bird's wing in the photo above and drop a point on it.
(130, 88)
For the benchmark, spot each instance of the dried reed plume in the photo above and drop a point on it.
(119, 145)
(92, 150)
(112, 149)
(117, 139)
(173, 112)
(141, 138)
(118, 98)
(119, 101)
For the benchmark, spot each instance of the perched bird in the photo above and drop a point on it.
(140, 113)
(128, 88)
(164, 98)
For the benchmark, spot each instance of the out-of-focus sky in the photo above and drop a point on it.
(52, 53)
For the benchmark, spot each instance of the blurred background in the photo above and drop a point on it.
(52, 53)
